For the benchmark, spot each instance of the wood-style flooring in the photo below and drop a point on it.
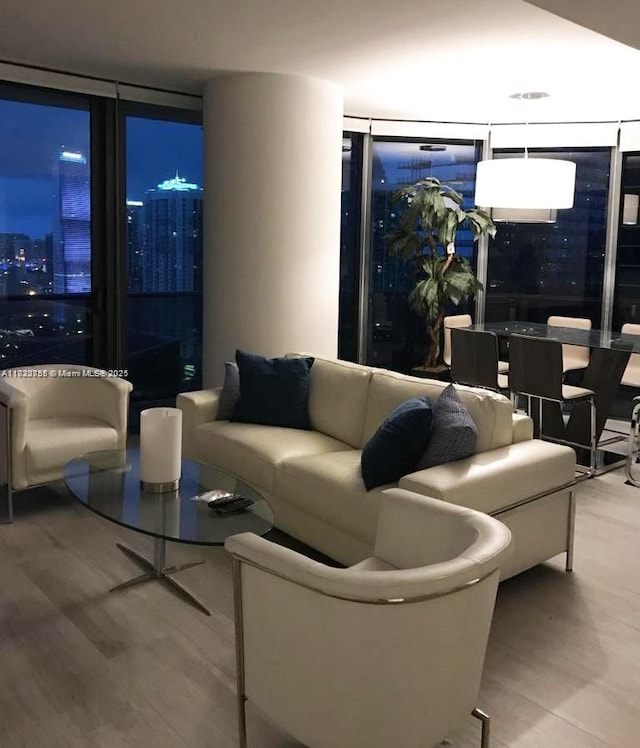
(82, 668)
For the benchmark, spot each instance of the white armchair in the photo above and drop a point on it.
(46, 420)
(387, 652)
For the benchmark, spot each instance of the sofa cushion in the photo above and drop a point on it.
(396, 447)
(373, 563)
(453, 433)
(338, 392)
(273, 391)
(230, 393)
(493, 480)
(253, 451)
(490, 411)
(330, 487)
(51, 442)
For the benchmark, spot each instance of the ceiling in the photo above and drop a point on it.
(444, 60)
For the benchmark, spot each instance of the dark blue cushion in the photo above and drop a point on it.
(398, 444)
(273, 391)
(453, 433)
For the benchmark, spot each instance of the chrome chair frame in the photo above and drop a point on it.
(634, 443)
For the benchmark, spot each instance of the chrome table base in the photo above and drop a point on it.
(156, 570)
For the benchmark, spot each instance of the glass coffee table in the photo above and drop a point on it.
(108, 483)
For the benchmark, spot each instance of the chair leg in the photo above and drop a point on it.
(594, 440)
(540, 408)
(632, 450)
(484, 718)
(571, 526)
(239, 631)
(7, 517)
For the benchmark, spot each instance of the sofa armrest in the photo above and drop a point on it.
(354, 583)
(197, 408)
(522, 427)
(493, 480)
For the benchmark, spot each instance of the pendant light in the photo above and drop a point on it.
(528, 182)
(524, 215)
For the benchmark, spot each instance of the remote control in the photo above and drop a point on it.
(239, 505)
(218, 501)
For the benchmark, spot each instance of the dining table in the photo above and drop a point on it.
(609, 355)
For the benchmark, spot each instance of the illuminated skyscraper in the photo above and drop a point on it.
(173, 249)
(135, 244)
(72, 232)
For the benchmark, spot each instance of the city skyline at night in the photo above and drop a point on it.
(49, 312)
(169, 220)
(28, 152)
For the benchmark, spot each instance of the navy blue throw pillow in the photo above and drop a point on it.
(454, 433)
(398, 444)
(273, 391)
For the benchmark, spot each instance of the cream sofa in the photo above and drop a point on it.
(313, 482)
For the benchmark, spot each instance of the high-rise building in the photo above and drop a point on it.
(135, 244)
(72, 231)
(173, 248)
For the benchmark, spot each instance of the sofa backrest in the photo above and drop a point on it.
(338, 394)
(349, 402)
(491, 412)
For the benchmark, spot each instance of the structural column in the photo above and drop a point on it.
(271, 217)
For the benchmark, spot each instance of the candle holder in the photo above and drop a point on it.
(160, 449)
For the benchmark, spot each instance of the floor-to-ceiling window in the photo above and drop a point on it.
(164, 252)
(626, 302)
(396, 336)
(45, 228)
(555, 268)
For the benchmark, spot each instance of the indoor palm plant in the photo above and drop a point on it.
(425, 237)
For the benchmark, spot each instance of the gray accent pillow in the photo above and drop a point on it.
(230, 391)
(453, 432)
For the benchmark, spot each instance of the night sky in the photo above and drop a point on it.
(32, 134)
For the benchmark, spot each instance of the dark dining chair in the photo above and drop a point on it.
(461, 320)
(449, 323)
(574, 357)
(536, 371)
(474, 359)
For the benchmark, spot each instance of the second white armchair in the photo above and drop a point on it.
(47, 420)
(388, 652)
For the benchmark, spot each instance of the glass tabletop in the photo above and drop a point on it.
(108, 483)
(568, 335)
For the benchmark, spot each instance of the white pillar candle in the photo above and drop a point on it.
(160, 445)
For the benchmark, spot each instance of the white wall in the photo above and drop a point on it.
(271, 217)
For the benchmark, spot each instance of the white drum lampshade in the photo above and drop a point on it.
(160, 449)
(524, 215)
(525, 183)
